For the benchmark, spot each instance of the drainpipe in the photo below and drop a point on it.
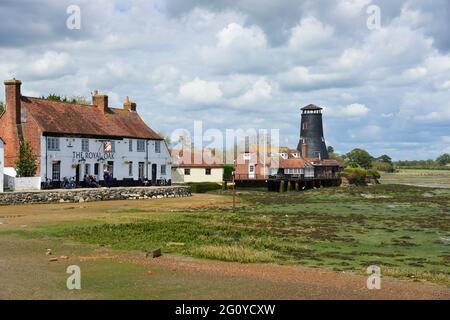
(146, 159)
(46, 159)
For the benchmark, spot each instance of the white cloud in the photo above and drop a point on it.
(201, 91)
(309, 33)
(260, 91)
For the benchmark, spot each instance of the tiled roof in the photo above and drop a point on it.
(178, 160)
(55, 117)
(293, 163)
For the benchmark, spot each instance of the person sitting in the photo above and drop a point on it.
(93, 183)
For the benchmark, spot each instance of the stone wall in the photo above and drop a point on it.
(87, 195)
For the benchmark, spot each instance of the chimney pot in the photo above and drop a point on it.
(129, 105)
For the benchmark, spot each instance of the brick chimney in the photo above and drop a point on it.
(12, 100)
(304, 150)
(100, 101)
(128, 105)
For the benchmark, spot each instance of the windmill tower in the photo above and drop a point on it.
(312, 143)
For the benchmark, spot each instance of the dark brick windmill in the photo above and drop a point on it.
(312, 143)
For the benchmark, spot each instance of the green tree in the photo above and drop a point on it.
(26, 164)
(361, 157)
(443, 160)
(72, 99)
(382, 166)
(330, 150)
(2, 107)
(384, 158)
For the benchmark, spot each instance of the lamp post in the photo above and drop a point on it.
(234, 185)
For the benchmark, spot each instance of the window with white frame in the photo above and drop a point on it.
(85, 145)
(113, 146)
(130, 145)
(251, 169)
(158, 146)
(163, 169)
(53, 144)
(141, 145)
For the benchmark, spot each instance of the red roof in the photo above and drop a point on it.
(293, 163)
(179, 161)
(62, 118)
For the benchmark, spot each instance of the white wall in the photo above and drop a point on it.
(197, 175)
(26, 184)
(70, 152)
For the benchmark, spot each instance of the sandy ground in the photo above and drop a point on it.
(26, 273)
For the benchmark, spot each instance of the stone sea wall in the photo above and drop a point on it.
(87, 195)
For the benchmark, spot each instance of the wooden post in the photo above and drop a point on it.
(282, 186)
(234, 193)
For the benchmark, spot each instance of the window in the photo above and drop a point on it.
(113, 146)
(163, 169)
(130, 145)
(141, 170)
(85, 145)
(130, 168)
(208, 171)
(87, 169)
(305, 126)
(252, 169)
(53, 144)
(96, 169)
(141, 145)
(56, 171)
(157, 146)
(187, 172)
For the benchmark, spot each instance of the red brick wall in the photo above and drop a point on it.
(9, 129)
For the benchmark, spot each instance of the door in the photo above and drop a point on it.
(154, 172)
(111, 168)
(251, 171)
(141, 170)
(56, 171)
(77, 174)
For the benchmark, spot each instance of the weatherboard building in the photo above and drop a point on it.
(73, 140)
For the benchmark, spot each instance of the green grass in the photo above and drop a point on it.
(397, 227)
(420, 177)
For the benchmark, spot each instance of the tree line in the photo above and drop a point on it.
(360, 158)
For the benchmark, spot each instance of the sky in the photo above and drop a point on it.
(248, 64)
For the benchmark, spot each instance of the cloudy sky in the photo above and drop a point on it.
(248, 64)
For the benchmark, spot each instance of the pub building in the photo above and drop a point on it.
(73, 140)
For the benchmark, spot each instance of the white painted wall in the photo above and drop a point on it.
(26, 184)
(197, 175)
(70, 152)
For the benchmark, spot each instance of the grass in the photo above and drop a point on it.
(397, 227)
(420, 177)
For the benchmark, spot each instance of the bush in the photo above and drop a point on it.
(373, 173)
(203, 187)
(355, 175)
(26, 163)
(383, 166)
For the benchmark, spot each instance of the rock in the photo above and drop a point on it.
(53, 259)
(154, 253)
